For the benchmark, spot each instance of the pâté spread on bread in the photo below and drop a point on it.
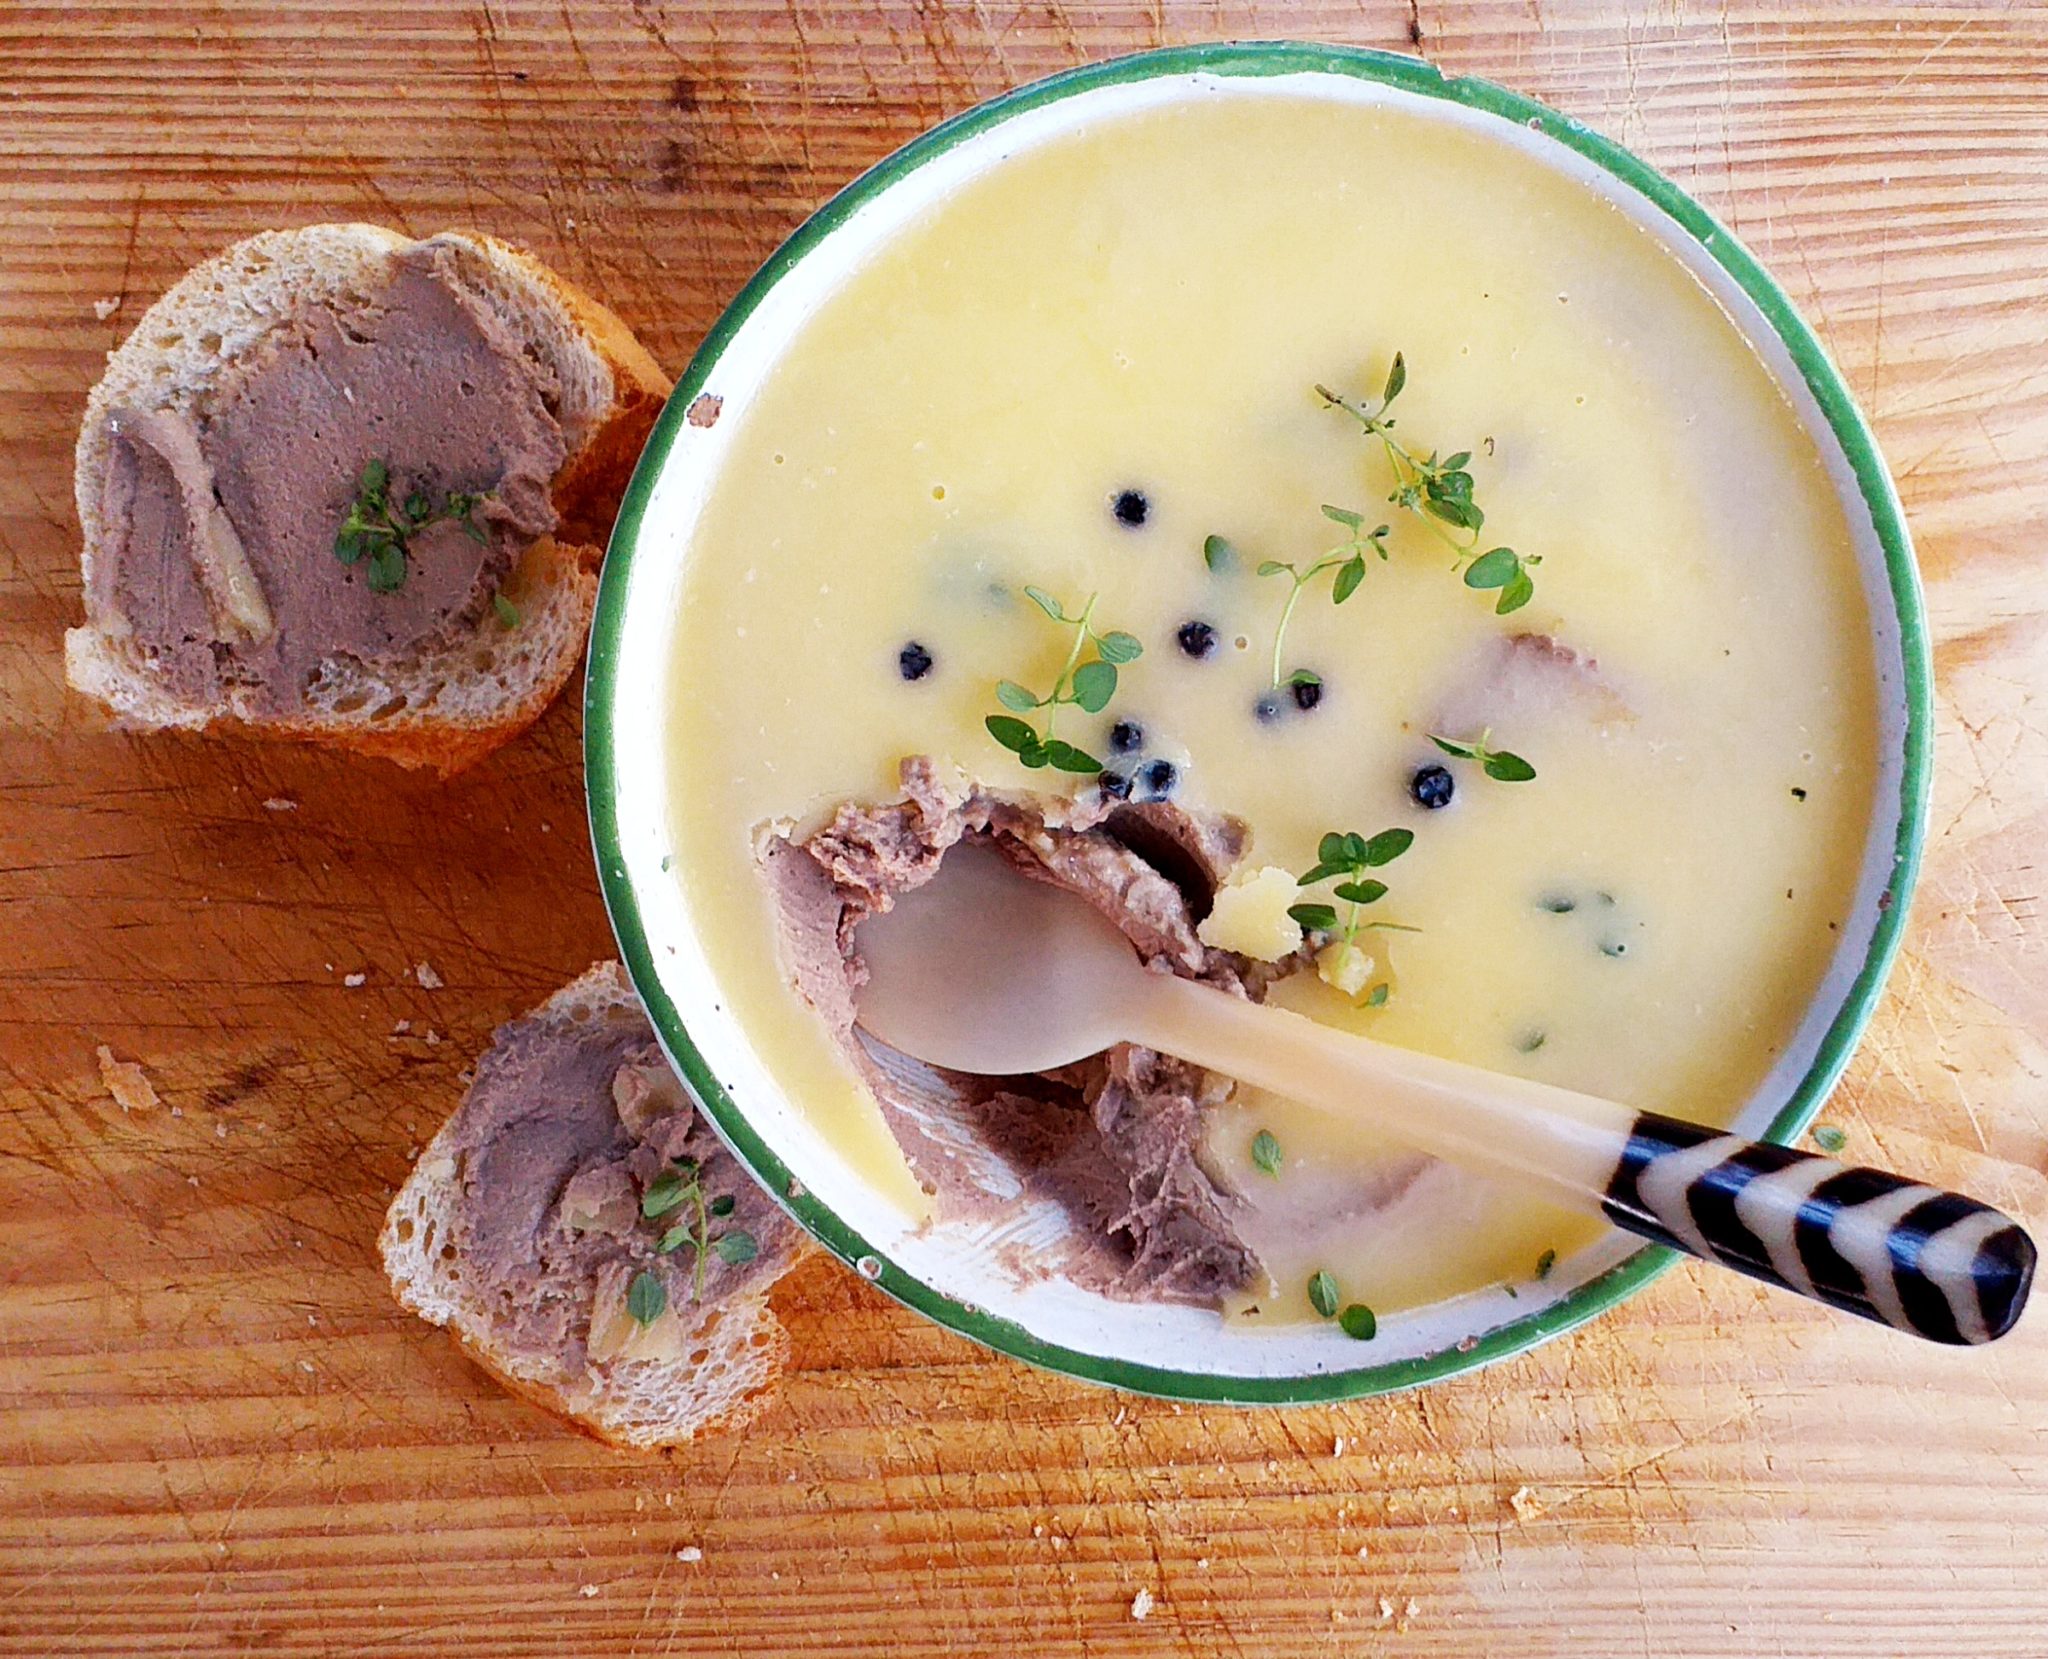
(336, 485)
(585, 1234)
(219, 562)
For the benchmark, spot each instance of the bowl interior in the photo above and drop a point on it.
(947, 1271)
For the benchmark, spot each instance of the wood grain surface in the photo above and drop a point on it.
(217, 1435)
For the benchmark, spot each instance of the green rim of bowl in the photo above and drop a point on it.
(1263, 59)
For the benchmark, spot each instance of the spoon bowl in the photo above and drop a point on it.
(981, 970)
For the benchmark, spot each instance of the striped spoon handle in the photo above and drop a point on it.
(1930, 1262)
(1934, 1263)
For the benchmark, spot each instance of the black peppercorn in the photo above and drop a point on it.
(1432, 787)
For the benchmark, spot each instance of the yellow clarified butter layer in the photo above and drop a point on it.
(1146, 305)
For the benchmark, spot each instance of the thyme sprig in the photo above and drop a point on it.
(379, 531)
(681, 1186)
(1348, 562)
(1346, 856)
(1086, 685)
(1438, 491)
(1501, 765)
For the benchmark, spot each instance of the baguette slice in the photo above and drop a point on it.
(448, 707)
(718, 1364)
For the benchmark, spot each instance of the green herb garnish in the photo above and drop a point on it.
(508, 613)
(1347, 561)
(646, 1297)
(1497, 764)
(1088, 686)
(1266, 1151)
(1358, 1322)
(682, 1184)
(1828, 1138)
(1346, 856)
(1544, 1263)
(1438, 491)
(1322, 1293)
(379, 532)
(664, 1193)
(736, 1247)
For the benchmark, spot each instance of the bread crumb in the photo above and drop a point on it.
(586, 1591)
(280, 803)
(704, 410)
(689, 1552)
(103, 309)
(1141, 1605)
(1202, 1561)
(306, 1366)
(355, 979)
(1337, 1449)
(1525, 1505)
(1364, 1554)
(126, 1082)
(434, 1040)
(1386, 1609)
(429, 980)
(401, 1028)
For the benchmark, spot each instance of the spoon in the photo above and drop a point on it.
(986, 971)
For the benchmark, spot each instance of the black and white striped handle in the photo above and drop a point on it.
(1912, 1256)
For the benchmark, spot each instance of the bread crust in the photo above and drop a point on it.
(224, 298)
(588, 488)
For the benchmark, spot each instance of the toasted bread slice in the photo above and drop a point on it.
(709, 1360)
(448, 706)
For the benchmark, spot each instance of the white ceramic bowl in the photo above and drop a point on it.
(945, 1271)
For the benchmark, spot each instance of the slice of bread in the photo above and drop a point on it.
(717, 1366)
(449, 707)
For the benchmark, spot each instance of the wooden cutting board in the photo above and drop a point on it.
(217, 1435)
